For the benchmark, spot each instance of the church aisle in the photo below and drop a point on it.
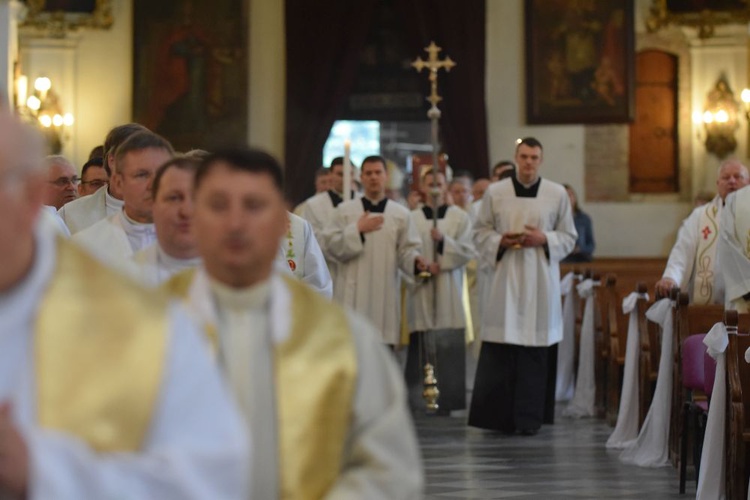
(566, 460)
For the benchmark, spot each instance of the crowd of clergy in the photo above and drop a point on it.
(170, 329)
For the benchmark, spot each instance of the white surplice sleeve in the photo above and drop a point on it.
(735, 265)
(486, 237)
(409, 246)
(196, 448)
(342, 239)
(682, 257)
(458, 250)
(316, 270)
(562, 239)
(382, 460)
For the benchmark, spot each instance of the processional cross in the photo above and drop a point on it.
(431, 394)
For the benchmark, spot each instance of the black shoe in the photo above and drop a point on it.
(528, 432)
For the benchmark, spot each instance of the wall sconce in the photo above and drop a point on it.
(41, 107)
(720, 118)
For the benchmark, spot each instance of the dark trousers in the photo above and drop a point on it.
(510, 389)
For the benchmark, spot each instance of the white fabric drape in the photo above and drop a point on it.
(651, 448)
(582, 404)
(713, 459)
(626, 428)
(566, 350)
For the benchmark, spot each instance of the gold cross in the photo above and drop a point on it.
(434, 65)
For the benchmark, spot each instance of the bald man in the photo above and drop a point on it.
(62, 182)
(693, 262)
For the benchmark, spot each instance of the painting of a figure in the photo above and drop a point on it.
(579, 61)
(191, 71)
(74, 6)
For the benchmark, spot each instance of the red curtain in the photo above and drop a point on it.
(459, 28)
(323, 42)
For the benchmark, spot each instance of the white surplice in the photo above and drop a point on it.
(458, 249)
(155, 266)
(50, 217)
(523, 304)
(684, 266)
(381, 458)
(196, 447)
(88, 210)
(733, 250)
(116, 239)
(367, 278)
(300, 255)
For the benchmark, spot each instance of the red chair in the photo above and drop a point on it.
(697, 367)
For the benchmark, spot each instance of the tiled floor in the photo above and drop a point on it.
(566, 460)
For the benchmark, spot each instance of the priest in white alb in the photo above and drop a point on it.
(693, 264)
(324, 401)
(438, 319)
(320, 209)
(373, 239)
(113, 397)
(174, 250)
(107, 200)
(525, 227)
(300, 255)
(117, 238)
(734, 250)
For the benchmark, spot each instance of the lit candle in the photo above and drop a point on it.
(347, 194)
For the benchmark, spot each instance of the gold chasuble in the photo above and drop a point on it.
(100, 348)
(315, 371)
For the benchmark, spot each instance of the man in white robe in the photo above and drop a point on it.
(525, 227)
(62, 181)
(322, 184)
(373, 238)
(175, 249)
(320, 209)
(324, 401)
(734, 250)
(693, 263)
(95, 403)
(107, 200)
(300, 255)
(438, 319)
(117, 238)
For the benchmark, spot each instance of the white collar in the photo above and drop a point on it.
(133, 227)
(173, 262)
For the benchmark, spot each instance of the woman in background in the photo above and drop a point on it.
(584, 249)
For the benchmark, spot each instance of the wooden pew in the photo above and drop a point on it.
(601, 349)
(738, 406)
(689, 320)
(617, 343)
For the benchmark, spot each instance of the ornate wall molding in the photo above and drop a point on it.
(40, 21)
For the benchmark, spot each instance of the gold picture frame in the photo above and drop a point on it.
(57, 18)
(695, 14)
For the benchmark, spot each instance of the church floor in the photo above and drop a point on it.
(566, 460)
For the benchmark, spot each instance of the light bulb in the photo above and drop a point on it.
(57, 120)
(708, 117)
(745, 96)
(42, 84)
(46, 121)
(722, 116)
(68, 119)
(33, 103)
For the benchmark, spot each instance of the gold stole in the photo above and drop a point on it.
(315, 372)
(100, 347)
(708, 236)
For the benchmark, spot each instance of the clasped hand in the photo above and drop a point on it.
(531, 237)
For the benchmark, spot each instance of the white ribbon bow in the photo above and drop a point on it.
(629, 302)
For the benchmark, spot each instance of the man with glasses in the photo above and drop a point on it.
(94, 176)
(115, 239)
(62, 182)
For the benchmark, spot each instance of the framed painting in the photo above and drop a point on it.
(190, 71)
(704, 15)
(56, 17)
(579, 61)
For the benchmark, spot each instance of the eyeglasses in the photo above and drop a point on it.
(62, 182)
(96, 183)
